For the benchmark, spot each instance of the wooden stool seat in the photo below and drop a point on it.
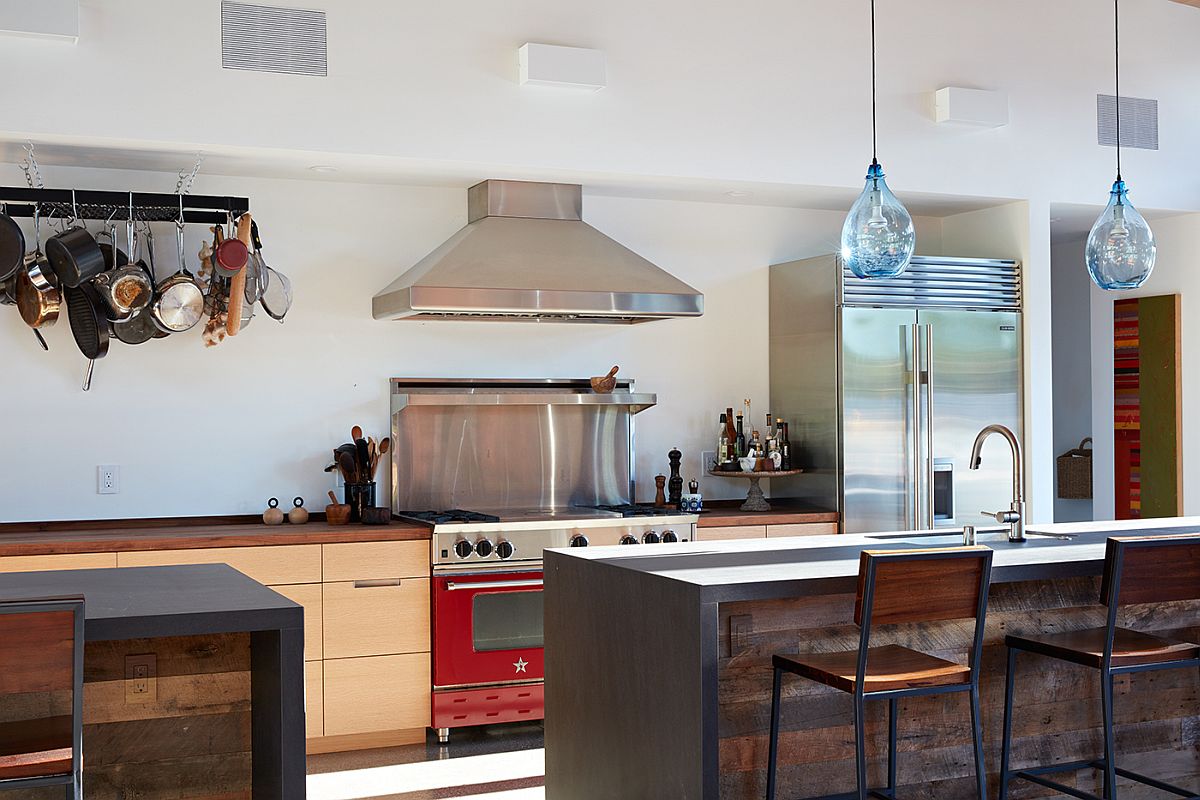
(889, 667)
(1087, 647)
(35, 748)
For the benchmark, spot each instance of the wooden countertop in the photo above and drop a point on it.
(27, 539)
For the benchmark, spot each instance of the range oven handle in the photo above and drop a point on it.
(451, 586)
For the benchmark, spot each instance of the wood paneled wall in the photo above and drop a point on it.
(191, 743)
(1058, 705)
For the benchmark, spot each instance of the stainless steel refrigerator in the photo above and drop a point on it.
(886, 382)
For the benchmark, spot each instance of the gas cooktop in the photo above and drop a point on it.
(443, 517)
(631, 510)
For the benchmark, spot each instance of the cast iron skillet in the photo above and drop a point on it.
(89, 325)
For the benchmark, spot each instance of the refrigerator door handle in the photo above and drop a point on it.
(927, 379)
(913, 496)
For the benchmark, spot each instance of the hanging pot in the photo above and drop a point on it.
(126, 290)
(35, 288)
(74, 256)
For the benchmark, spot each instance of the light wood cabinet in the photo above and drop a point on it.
(63, 561)
(309, 596)
(314, 699)
(378, 693)
(731, 532)
(376, 617)
(357, 561)
(803, 529)
(272, 565)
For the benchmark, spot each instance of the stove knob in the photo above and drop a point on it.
(579, 540)
(463, 548)
(484, 548)
(628, 539)
(505, 549)
(650, 537)
(669, 537)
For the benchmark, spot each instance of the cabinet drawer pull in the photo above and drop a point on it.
(376, 582)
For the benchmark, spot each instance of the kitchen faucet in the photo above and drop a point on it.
(1014, 517)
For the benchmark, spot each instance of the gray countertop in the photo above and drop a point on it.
(137, 602)
(754, 569)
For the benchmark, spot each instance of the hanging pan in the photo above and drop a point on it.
(140, 327)
(12, 246)
(89, 326)
(179, 302)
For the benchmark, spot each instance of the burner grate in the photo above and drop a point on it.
(630, 510)
(451, 515)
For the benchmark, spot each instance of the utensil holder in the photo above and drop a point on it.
(358, 497)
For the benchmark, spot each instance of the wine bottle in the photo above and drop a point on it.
(740, 441)
(785, 448)
(723, 441)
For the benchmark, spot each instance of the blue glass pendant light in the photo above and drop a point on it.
(1120, 249)
(877, 237)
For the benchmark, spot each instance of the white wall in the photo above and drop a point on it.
(218, 431)
(1175, 271)
(1072, 358)
(777, 92)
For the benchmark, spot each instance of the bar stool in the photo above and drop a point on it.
(895, 587)
(41, 652)
(1147, 569)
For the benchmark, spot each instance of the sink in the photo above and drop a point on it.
(940, 539)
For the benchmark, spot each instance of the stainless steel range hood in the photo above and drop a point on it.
(526, 254)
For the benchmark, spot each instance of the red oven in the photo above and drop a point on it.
(487, 647)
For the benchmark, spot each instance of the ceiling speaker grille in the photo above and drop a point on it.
(273, 39)
(1139, 121)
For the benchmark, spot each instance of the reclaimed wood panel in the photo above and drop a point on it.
(1057, 715)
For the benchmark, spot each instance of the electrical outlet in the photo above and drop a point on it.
(141, 678)
(108, 479)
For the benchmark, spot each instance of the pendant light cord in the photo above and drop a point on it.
(874, 135)
(1116, 75)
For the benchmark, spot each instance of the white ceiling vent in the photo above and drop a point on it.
(273, 39)
(1139, 122)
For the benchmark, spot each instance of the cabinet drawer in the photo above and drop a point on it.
(731, 532)
(368, 560)
(803, 529)
(363, 618)
(381, 693)
(314, 699)
(63, 561)
(309, 596)
(298, 563)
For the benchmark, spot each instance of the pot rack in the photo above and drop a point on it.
(90, 204)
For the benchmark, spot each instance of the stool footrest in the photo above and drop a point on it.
(1035, 776)
(883, 794)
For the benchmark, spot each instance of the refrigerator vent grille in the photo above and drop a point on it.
(273, 39)
(969, 283)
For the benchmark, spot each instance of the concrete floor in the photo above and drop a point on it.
(494, 762)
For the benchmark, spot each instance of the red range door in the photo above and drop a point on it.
(487, 628)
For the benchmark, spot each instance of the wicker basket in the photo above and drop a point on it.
(1075, 472)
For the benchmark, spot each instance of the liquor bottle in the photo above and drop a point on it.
(756, 449)
(770, 443)
(740, 441)
(785, 448)
(723, 441)
(730, 433)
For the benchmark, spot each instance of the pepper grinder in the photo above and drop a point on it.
(660, 497)
(675, 485)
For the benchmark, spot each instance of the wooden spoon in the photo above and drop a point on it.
(355, 433)
(349, 468)
(384, 446)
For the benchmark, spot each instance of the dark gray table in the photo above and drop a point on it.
(632, 641)
(146, 602)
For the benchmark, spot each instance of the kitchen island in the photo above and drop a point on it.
(658, 674)
(224, 713)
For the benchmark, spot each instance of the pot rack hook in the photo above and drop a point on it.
(179, 221)
(74, 207)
